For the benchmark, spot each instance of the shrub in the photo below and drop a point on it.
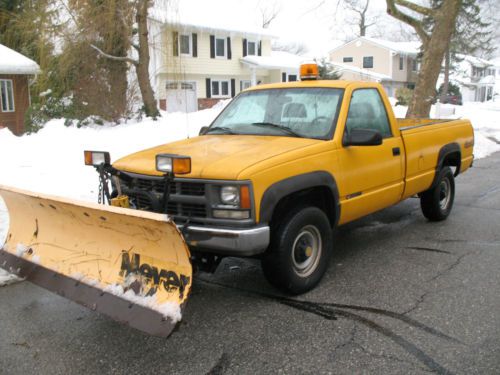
(403, 95)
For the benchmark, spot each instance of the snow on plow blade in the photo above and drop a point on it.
(130, 265)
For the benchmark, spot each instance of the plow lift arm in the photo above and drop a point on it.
(131, 265)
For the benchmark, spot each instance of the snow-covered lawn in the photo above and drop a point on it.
(51, 161)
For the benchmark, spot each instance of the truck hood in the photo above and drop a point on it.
(215, 156)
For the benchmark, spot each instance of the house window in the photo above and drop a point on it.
(185, 44)
(220, 89)
(220, 47)
(347, 59)
(401, 62)
(414, 66)
(368, 62)
(245, 85)
(171, 86)
(7, 91)
(292, 77)
(251, 48)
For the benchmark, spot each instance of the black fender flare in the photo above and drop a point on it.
(294, 184)
(448, 149)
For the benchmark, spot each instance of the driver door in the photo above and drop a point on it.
(372, 175)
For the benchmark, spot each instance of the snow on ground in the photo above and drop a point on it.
(8, 278)
(51, 161)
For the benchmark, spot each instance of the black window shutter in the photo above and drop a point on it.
(212, 46)
(195, 45)
(283, 77)
(260, 48)
(209, 87)
(229, 48)
(233, 87)
(244, 47)
(175, 39)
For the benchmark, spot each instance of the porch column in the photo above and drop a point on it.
(253, 76)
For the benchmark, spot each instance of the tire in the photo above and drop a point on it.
(437, 202)
(301, 245)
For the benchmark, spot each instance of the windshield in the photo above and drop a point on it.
(291, 112)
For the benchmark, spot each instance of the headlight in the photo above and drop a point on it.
(163, 163)
(230, 195)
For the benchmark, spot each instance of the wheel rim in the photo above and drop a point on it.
(306, 250)
(444, 194)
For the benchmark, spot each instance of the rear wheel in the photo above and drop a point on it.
(437, 202)
(301, 245)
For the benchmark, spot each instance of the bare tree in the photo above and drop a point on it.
(360, 9)
(141, 63)
(297, 48)
(435, 42)
(269, 10)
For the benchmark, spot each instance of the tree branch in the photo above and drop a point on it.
(415, 7)
(116, 58)
(413, 22)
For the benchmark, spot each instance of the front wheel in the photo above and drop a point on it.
(437, 202)
(300, 249)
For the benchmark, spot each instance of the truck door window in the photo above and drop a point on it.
(367, 111)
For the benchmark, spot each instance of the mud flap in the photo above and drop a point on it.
(131, 265)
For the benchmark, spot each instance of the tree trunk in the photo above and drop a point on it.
(142, 66)
(362, 27)
(434, 50)
(446, 82)
(117, 70)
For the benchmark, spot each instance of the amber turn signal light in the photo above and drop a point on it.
(245, 197)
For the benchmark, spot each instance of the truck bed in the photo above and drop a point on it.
(423, 141)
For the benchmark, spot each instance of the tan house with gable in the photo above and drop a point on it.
(393, 64)
(194, 64)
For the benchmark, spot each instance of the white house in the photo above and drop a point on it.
(393, 64)
(476, 77)
(197, 62)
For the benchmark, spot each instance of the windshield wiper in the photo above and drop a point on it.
(283, 128)
(223, 129)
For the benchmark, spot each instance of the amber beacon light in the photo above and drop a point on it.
(309, 71)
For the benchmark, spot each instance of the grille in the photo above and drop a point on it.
(158, 186)
(140, 189)
(186, 209)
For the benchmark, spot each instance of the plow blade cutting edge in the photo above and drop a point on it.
(131, 265)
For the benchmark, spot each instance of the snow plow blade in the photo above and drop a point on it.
(131, 265)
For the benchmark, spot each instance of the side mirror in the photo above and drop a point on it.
(363, 137)
(203, 130)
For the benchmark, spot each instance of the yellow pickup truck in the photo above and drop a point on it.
(284, 164)
(272, 177)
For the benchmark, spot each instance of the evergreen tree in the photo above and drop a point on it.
(472, 36)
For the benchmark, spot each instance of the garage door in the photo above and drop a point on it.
(181, 97)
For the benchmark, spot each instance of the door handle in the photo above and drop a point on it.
(396, 151)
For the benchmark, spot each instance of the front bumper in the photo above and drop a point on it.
(235, 242)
